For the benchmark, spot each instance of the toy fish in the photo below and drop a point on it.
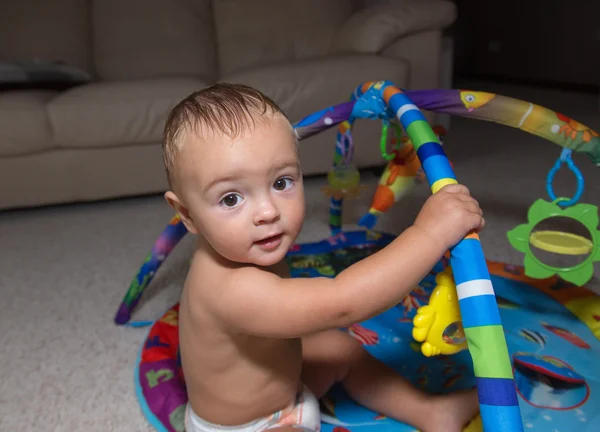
(566, 335)
(400, 176)
(473, 100)
(363, 334)
(533, 337)
(549, 366)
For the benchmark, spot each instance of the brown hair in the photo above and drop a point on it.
(222, 108)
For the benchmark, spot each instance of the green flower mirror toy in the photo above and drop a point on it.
(524, 236)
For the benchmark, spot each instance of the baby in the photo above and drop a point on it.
(259, 348)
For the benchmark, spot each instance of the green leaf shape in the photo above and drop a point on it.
(535, 269)
(596, 250)
(579, 275)
(587, 214)
(542, 209)
(519, 237)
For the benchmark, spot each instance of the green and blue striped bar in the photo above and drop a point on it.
(498, 401)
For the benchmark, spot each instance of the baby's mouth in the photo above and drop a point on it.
(269, 240)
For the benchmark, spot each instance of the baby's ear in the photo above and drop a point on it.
(183, 211)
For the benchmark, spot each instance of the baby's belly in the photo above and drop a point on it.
(257, 384)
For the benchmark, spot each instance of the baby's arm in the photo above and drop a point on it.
(264, 304)
(261, 303)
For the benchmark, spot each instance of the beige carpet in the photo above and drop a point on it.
(64, 366)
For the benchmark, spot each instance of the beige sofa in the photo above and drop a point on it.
(101, 139)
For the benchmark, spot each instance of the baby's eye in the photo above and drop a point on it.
(231, 200)
(283, 183)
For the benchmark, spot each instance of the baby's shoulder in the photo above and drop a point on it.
(208, 274)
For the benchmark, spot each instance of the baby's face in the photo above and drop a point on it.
(245, 196)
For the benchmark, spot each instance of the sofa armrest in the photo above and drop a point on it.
(372, 29)
(423, 51)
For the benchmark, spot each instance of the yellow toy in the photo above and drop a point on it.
(439, 325)
(343, 182)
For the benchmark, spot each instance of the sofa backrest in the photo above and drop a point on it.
(137, 39)
(144, 39)
(48, 30)
(112, 39)
(263, 32)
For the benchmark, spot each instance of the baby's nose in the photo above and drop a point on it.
(267, 212)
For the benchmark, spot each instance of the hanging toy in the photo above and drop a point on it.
(402, 173)
(343, 180)
(523, 236)
(438, 324)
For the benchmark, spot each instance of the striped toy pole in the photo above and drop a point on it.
(498, 401)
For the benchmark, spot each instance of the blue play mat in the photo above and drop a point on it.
(555, 355)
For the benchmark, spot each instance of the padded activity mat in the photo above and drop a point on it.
(549, 326)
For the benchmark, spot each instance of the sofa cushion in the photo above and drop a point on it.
(117, 113)
(304, 29)
(140, 39)
(301, 88)
(51, 31)
(24, 125)
(40, 75)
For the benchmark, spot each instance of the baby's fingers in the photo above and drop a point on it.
(478, 222)
(473, 207)
(456, 189)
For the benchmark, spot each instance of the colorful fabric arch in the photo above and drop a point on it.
(532, 118)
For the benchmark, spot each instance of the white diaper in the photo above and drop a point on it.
(304, 413)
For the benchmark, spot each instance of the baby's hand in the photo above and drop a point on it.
(450, 214)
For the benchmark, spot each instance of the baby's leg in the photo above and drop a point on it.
(335, 356)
